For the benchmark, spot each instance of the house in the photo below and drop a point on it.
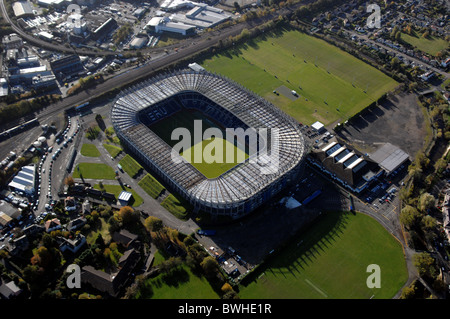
(9, 290)
(33, 230)
(427, 76)
(52, 224)
(124, 237)
(445, 63)
(76, 223)
(18, 245)
(72, 244)
(112, 283)
(70, 203)
(86, 207)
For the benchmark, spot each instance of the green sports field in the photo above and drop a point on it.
(431, 45)
(332, 85)
(94, 171)
(210, 156)
(214, 161)
(330, 260)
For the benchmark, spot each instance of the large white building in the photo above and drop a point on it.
(163, 24)
(24, 181)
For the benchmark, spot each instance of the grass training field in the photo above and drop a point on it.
(176, 206)
(130, 165)
(330, 261)
(112, 149)
(94, 171)
(331, 83)
(151, 186)
(179, 283)
(89, 150)
(430, 45)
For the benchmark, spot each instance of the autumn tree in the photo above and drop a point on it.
(209, 266)
(128, 215)
(410, 216)
(153, 224)
(424, 264)
(69, 181)
(426, 202)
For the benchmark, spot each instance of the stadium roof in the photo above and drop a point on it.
(389, 157)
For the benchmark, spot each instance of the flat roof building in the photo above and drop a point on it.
(162, 24)
(124, 198)
(318, 126)
(138, 42)
(12, 41)
(389, 157)
(22, 9)
(24, 180)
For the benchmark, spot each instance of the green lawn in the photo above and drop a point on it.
(214, 162)
(94, 171)
(130, 165)
(135, 201)
(431, 45)
(89, 150)
(175, 206)
(210, 162)
(151, 186)
(329, 81)
(112, 149)
(330, 261)
(180, 283)
(103, 230)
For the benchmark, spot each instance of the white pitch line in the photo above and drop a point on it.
(316, 288)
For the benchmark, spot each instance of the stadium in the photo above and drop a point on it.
(144, 115)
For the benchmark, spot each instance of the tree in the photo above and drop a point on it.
(426, 202)
(153, 224)
(127, 215)
(209, 266)
(237, 7)
(415, 172)
(69, 181)
(424, 264)
(409, 292)
(409, 216)
(429, 222)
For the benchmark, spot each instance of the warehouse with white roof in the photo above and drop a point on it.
(24, 181)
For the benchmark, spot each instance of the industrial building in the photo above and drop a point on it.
(104, 29)
(24, 181)
(138, 42)
(163, 24)
(202, 16)
(66, 66)
(22, 9)
(389, 157)
(12, 41)
(346, 165)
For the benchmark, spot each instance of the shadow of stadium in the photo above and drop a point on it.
(302, 251)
